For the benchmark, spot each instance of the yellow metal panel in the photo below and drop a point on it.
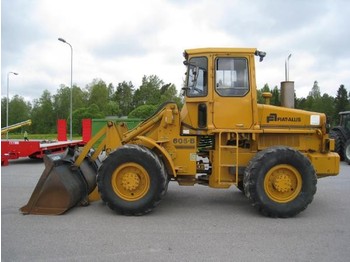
(325, 164)
(94, 195)
(268, 140)
(331, 144)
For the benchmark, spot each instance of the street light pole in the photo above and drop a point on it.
(71, 87)
(7, 101)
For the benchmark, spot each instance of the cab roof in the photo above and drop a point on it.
(219, 50)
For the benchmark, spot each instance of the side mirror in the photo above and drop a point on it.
(261, 55)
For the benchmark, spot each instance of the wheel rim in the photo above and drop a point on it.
(130, 181)
(283, 183)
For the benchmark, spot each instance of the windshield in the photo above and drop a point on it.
(345, 121)
(197, 82)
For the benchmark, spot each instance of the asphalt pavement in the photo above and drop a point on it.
(191, 224)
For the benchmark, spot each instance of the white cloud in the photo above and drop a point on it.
(123, 40)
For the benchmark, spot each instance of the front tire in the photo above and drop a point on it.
(132, 180)
(347, 152)
(280, 182)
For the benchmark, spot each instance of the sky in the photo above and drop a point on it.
(119, 41)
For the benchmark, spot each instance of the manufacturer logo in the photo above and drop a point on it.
(274, 117)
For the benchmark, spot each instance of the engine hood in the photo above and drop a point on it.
(277, 117)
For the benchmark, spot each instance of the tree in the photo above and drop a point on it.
(300, 103)
(327, 107)
(342, 102)
(313, 101)
(19, 110)
(110, 89)
(99, 95)
(43, 118)
(275, 99)
(3, 111)
(85, 112)
(143, 111)
(260, 98)
(168, 92)
(149, 91)
(315, 91)
(61, 102)
(112, 109)
(124, 97)
(80, 98)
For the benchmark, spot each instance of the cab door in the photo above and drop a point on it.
(232, 101)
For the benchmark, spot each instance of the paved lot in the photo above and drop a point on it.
(191, 224)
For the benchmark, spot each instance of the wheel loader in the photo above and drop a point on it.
(220, 138)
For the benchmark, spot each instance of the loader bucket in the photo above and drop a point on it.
(62, 185)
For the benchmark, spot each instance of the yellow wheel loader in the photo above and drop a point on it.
(221, 138)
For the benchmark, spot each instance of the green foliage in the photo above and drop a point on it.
(342, 102)
(3, 111)
(264, 89)
(99, 95)
(19, 110)
(168, 92)
(112, 109)
(61, 102)
(313, 101)
(143, 111)
(327, 103)
(124, 95)
(43, 117)
(275, 99)
(98, 100)
(149, 91)
(86, 112)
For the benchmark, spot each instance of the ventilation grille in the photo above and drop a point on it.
(267, 140)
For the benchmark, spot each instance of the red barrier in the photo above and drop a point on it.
(86, 129)
(61, 130)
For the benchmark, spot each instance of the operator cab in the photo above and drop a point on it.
(220, 89)
(345, 120)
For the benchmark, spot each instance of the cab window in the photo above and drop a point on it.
(197, 82)
(231, 76)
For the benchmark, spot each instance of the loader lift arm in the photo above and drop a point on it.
(70, 178)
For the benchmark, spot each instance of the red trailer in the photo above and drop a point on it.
(14, 149)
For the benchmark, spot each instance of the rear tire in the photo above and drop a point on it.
(240, 186)
(347, 152)
(339, 147)
(280, 182)
(132, 180)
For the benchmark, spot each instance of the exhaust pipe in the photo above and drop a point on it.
(287, 88)
(287, 94)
